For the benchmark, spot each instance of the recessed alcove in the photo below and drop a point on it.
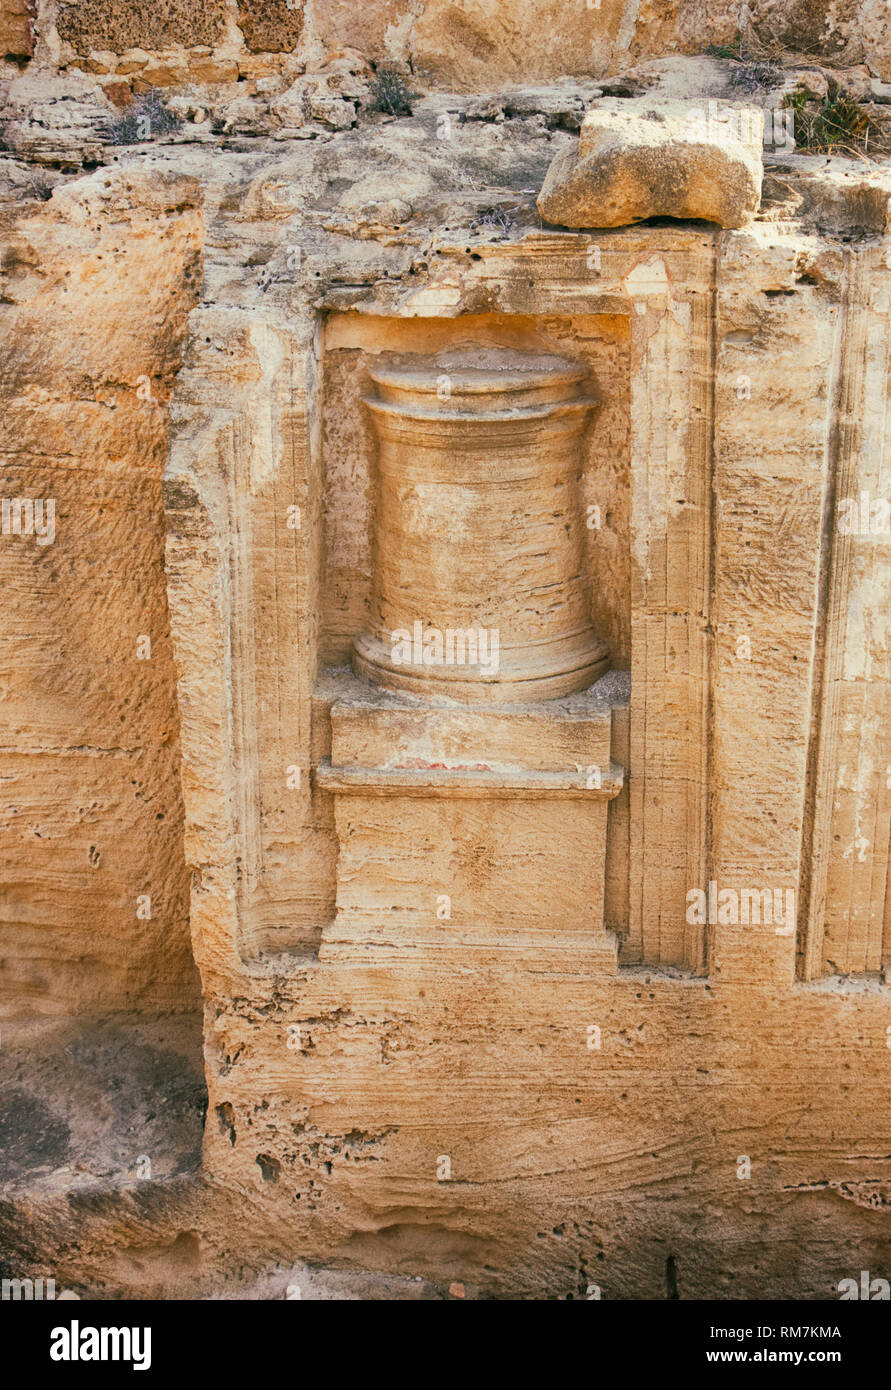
(476, 490)
(291, 483)
(354, 343)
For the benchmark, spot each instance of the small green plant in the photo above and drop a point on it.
(146, 119)
(725, 50)
(836, 125)
(389, 93)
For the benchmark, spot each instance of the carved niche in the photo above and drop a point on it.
(470, 752)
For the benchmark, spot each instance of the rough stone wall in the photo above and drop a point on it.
(462, 45)
(97, 287)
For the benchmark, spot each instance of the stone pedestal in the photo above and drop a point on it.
(473, 835)
(480, 590)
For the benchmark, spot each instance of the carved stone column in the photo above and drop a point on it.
(480, 591)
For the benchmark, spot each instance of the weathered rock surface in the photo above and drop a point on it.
(85, 1100)
(464, 45)
(97, 283)
(657, 158)
(271, 26)
(55, 120)
(742, 380)
(323, 100)
(17, 29)
(473, 43)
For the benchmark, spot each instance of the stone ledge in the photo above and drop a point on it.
(497, 783)
(471, 948)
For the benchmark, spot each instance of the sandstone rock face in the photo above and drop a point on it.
(317, 907)
(323, 100)
(829, 28)
(875, 29)
(17, 28)
(640, 159)
(494, 993)
(91, 836)
(464, 44)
